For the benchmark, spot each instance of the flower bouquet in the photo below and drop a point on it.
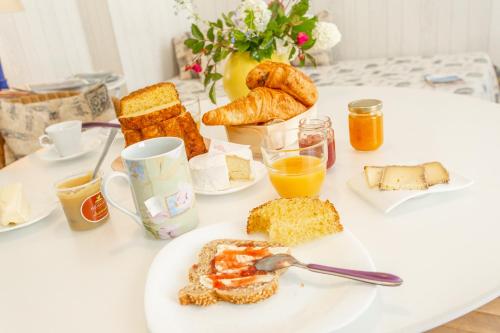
(275, 29)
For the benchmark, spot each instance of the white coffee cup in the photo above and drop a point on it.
(66, 137)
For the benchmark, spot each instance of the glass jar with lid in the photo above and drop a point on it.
(366, 128)
(306, 125)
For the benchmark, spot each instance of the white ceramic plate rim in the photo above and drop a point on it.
(236, 186)
(34, 219)
(393, 199)
(196, 236)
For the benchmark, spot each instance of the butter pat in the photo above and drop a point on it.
(13, 205)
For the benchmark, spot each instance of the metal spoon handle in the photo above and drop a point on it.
(109, 141)
(384, 279)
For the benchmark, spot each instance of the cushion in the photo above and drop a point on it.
(184, 57)
(23, 120)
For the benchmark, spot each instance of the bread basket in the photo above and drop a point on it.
(253, 135)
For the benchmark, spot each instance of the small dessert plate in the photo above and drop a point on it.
(388, 200)
(236, 186)
(50, 154)
(41, 206)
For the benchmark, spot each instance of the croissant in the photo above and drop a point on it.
(259, 106)
(286, 78)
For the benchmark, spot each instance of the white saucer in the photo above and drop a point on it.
(236, 186)
(88, 145)
(388, 200)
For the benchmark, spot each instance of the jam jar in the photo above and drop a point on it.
(321, 123)
(366, 128)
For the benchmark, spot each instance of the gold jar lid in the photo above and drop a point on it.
(365, 106)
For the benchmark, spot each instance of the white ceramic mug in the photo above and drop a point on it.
(158, 174)
(66, 137)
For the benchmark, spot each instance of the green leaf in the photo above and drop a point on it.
(219, 24)
(249, 19)
(196, 32)
(198, 46)
(238, 35)
(292, 53)
(225, 53)
(209, 48)
(242, 46)
(210, 34)
(300, 8)
(215, 76)
(206, 81)
(190, 42)
(211, 94)
(217, 54)
(227, 20)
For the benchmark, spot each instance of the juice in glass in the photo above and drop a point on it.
(298, 176)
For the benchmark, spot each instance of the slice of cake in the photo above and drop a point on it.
(373, 174)
(159, 95)
(403, 178)
(294, 221)
(435, 173)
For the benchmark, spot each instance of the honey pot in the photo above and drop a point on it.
(83, 204)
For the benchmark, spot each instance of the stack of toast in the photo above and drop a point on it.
(156, 111)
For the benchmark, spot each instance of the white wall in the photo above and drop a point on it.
(52, 39)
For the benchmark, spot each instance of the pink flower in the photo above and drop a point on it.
(302, 38)
(196, 67)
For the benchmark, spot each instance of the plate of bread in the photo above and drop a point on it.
(386, 187)
(206, 281)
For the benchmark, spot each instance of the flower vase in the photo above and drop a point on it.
(238, 65)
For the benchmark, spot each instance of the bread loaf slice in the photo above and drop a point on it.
(373, 174)
(197, 294)
(163, 93)
(295, 220)
(435, 173)
(403, 178)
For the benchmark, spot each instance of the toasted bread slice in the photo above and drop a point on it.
(435, 173)
(163, 93)
(294, 221)
(197, 294)
(373, 174)
(403, 178)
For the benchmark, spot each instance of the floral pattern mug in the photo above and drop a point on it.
(158, 174)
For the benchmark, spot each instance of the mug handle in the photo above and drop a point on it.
(137, 219)
(45, 141)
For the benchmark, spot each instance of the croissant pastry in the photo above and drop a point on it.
(259, 106)
(285, 78)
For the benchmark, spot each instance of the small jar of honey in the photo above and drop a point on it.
(82, 201)
(366, 128)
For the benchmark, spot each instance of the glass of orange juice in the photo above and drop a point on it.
(295, 168)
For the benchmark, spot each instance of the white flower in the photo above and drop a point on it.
(327, 35)
(261, 13)
(283, 50)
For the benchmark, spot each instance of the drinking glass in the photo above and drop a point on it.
(295, 168)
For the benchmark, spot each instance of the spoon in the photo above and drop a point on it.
(109, 141)
(278, 261)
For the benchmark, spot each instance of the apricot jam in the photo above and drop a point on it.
(366, 128)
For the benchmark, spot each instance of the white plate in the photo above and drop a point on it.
(89, 144)
(388, 200)
(305, 302)
(260, 172)
(41, 206)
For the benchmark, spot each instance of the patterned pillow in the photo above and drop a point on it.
(22, 121)
(184, 57)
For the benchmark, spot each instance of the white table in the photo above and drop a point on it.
(445, 246)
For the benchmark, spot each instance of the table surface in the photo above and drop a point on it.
(445, 246)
